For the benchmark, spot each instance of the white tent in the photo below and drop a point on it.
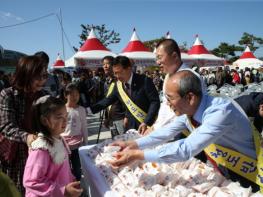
(202, 56)
(247, 59)
(59, 63)
(187, 59)
(140, 54)
(90, 54)
(70, 62)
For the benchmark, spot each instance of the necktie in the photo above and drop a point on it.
(128, 88)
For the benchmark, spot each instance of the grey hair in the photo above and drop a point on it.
(189, 82)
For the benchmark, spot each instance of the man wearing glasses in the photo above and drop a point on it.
(215, 125)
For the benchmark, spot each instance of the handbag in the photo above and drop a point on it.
(7, 149)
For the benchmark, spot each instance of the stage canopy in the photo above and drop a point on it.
(90, 54)
(139, 53)
(247, 59)
(59, 63)
(203, 57)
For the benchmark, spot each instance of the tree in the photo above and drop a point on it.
(106, 36)
(227, 51)
(151, 44)
(252, 41)
(183, 47)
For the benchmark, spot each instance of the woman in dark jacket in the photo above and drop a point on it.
(16, 132)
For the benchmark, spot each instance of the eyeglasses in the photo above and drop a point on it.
(169, 99)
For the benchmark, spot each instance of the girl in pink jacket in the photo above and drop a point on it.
(47, 171)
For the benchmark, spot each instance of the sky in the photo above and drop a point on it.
(213, 21)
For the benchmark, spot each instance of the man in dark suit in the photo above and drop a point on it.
(252, 104)
(136, 92)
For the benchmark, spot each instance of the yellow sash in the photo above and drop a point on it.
(136, 111)
(109, 92)
(110, 89)
(239, 163)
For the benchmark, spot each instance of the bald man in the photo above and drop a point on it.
(217, 121)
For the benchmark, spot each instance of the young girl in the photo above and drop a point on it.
(47, 171)
(76, 130)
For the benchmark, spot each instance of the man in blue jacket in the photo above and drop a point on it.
(136, 92)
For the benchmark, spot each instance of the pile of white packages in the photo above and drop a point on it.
(185, 179)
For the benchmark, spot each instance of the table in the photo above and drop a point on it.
(93, 180)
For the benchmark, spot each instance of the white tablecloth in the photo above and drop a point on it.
(94, 181)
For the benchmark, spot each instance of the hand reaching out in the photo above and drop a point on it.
(126, 157)
(147, 131)
(125, 145)
(73, 189)
(142, 128)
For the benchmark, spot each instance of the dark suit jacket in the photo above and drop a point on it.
(250, 104)
(143, 94)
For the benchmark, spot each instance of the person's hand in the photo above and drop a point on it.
(142, 128)
(126, 157)
(73, 189)
(30, 138)
(148, 130)
(125, 145)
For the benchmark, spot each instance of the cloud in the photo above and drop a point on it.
(7, 15)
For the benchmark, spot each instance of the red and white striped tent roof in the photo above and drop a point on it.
(204, 57)
(91, 52)
(185, 57)
(247, 59)
(247, 54)
(59, 63)
(136, 50)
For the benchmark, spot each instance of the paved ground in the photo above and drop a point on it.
(93, 129)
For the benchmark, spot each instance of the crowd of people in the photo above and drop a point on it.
(37, 107)
(234, 76)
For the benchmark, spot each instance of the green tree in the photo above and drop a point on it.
(252, 41)
(151, 44)
(106, 36)
(227, 51)
(184, 47)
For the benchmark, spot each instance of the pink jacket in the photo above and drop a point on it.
(44, 177)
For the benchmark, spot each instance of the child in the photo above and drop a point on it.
(76, 130)
(47, 171)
